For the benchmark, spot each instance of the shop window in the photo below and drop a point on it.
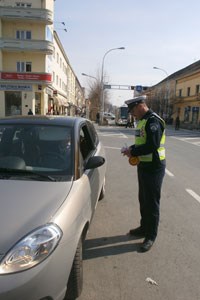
(195, 115)
(13, 103)
(38, 103)
(187, 114)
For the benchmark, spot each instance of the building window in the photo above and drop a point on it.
(24, 66)
(188, 91)
(23, 35)
(197, 89)
(180, 93)
(22, 4)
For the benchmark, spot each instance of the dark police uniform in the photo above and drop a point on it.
(149, 147)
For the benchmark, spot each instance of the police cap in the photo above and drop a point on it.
(135, 101)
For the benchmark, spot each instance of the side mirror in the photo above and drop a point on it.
(94, 162)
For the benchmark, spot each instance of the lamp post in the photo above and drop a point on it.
(102, 80)
(84, 74)
(167, 91)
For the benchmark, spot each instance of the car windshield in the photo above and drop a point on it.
(39, 150)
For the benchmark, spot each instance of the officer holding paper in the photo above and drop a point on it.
(149, 148)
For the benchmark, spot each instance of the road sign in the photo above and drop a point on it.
(138, 88)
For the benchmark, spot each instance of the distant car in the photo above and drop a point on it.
(52, 174)
(110, 117)
(122, 121)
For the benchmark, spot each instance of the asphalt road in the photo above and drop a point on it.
(114, 269)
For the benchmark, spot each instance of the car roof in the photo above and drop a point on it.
(43, 120)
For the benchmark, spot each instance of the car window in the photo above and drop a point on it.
(86, 143)
(44, 149)
(93, 134)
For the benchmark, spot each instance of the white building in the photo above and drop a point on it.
(35, 72)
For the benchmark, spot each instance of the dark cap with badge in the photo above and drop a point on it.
(135, 101)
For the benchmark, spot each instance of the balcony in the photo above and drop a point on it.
(15, 45)
(27, 14)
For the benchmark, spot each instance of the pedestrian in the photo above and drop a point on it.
(129, 121)
(177, 123)
(30, 112)
(97, 118)
(149, 148)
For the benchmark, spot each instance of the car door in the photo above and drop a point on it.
(92, 176)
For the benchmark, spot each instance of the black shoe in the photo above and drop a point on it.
(146, 245)
(138, 232)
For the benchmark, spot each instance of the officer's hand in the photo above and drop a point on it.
(126, 151)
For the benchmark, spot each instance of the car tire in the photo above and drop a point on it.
(102, 193)
(75, 282)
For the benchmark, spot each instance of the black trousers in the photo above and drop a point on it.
(150, 183)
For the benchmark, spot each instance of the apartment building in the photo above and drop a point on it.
(187, 103)
(35, 72)
(178, 95)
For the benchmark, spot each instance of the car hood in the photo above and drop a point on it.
(25, 205)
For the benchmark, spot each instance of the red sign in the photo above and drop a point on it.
(26, 76)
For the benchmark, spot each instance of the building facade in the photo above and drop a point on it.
(178, 95)
(35, 72)
(187, 103)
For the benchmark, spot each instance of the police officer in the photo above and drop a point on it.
(149, 148)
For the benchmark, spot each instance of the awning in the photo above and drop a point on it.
(61, 101)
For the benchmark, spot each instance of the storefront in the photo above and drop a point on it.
(20, 92)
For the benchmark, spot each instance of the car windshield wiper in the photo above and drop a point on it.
(7, 172)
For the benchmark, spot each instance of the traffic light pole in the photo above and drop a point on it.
(137, 88)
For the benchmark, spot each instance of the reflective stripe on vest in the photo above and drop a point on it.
(140, 139)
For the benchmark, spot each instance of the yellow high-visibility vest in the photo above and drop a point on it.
(141, 136)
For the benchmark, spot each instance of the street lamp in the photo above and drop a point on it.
(102, 80)
(167, 91)
(84, 74)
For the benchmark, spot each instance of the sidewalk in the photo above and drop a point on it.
(194, 131)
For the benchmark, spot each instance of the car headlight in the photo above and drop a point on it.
(32, 249)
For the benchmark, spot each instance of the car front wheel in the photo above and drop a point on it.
(75, 282)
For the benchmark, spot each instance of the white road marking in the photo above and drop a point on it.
(121, 135)
(190, 140)
(115, 148)
(169, 173)
(193, 194)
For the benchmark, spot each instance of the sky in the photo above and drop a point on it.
(154, 33)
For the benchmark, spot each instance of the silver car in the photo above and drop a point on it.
(52, 174)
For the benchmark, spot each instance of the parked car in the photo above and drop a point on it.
(52, 174)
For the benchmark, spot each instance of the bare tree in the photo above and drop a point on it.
(94, 96)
